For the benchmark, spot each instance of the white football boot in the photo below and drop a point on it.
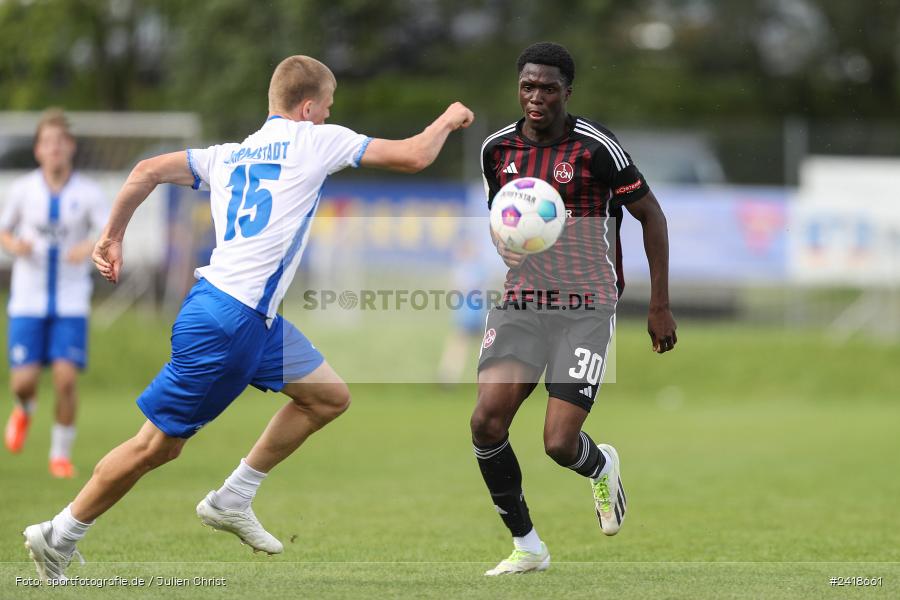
(609, 495)
(243, 524)
(521, 561)
(51, 563)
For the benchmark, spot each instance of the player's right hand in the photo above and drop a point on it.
(661, 327)
(458, 116)
(512, 259)
(21, 247)
(107, 257)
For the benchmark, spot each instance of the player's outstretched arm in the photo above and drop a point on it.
(414, 154)
(146, 175)
(660, 322)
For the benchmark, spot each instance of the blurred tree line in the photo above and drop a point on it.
(399, 62)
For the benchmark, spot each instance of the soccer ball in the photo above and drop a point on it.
(528, 215)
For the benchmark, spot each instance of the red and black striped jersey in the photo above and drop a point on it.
(595, 177)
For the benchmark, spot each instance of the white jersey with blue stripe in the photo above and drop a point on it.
(264, 193)
(45, 283)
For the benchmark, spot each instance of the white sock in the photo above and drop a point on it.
(66, 530)
(607, 465)
(530, 542)
(239, 489)
(61, 439)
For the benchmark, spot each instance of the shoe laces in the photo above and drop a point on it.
(518, 555)
(601, 491)
(75, 552)
(67, 560)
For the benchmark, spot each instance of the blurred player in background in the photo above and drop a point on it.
(470, 278)
(596, 178)
(264, 193)
(49, 223)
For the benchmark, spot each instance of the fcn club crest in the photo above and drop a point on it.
(489, 336)
(563, 172)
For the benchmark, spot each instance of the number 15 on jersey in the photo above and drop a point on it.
(247, 197)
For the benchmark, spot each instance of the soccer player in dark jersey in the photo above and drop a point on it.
(559, 310)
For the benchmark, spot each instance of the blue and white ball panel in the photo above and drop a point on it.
(44, 340)
(219, 347)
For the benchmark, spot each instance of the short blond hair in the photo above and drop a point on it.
(53, 117)
(298, 78)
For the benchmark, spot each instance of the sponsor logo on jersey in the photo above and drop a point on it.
(489, 336)
(563, 172)
(511, 169)
(628, 188)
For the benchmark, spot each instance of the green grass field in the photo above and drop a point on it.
(758, 463)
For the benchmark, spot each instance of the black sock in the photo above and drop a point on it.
(503, 477)
(590, 460)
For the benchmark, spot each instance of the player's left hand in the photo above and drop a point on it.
(107, 258)
(661, 327)
(512, 259)
(80, 252)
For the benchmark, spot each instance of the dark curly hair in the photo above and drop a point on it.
(550, 54)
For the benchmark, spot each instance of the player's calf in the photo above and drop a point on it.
(122, 467)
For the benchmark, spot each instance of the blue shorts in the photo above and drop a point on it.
(219, 347)
(43, 340)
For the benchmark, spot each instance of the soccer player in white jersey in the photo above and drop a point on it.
(49, 223)
(264, 194)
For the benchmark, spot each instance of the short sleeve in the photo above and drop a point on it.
(200, 161)
(491, 185)
(9, 216)
(614, 167)
(339, 147)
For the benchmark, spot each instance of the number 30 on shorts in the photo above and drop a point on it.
(589, 365)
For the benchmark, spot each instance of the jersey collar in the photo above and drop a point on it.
(570, 126)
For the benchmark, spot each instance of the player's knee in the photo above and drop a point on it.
(336, 401)
(161, 455)
(560, 449)
(488, 423)
(487, 428)
(24, 388)
(64, 386)
(326, 403)
(158, 452)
